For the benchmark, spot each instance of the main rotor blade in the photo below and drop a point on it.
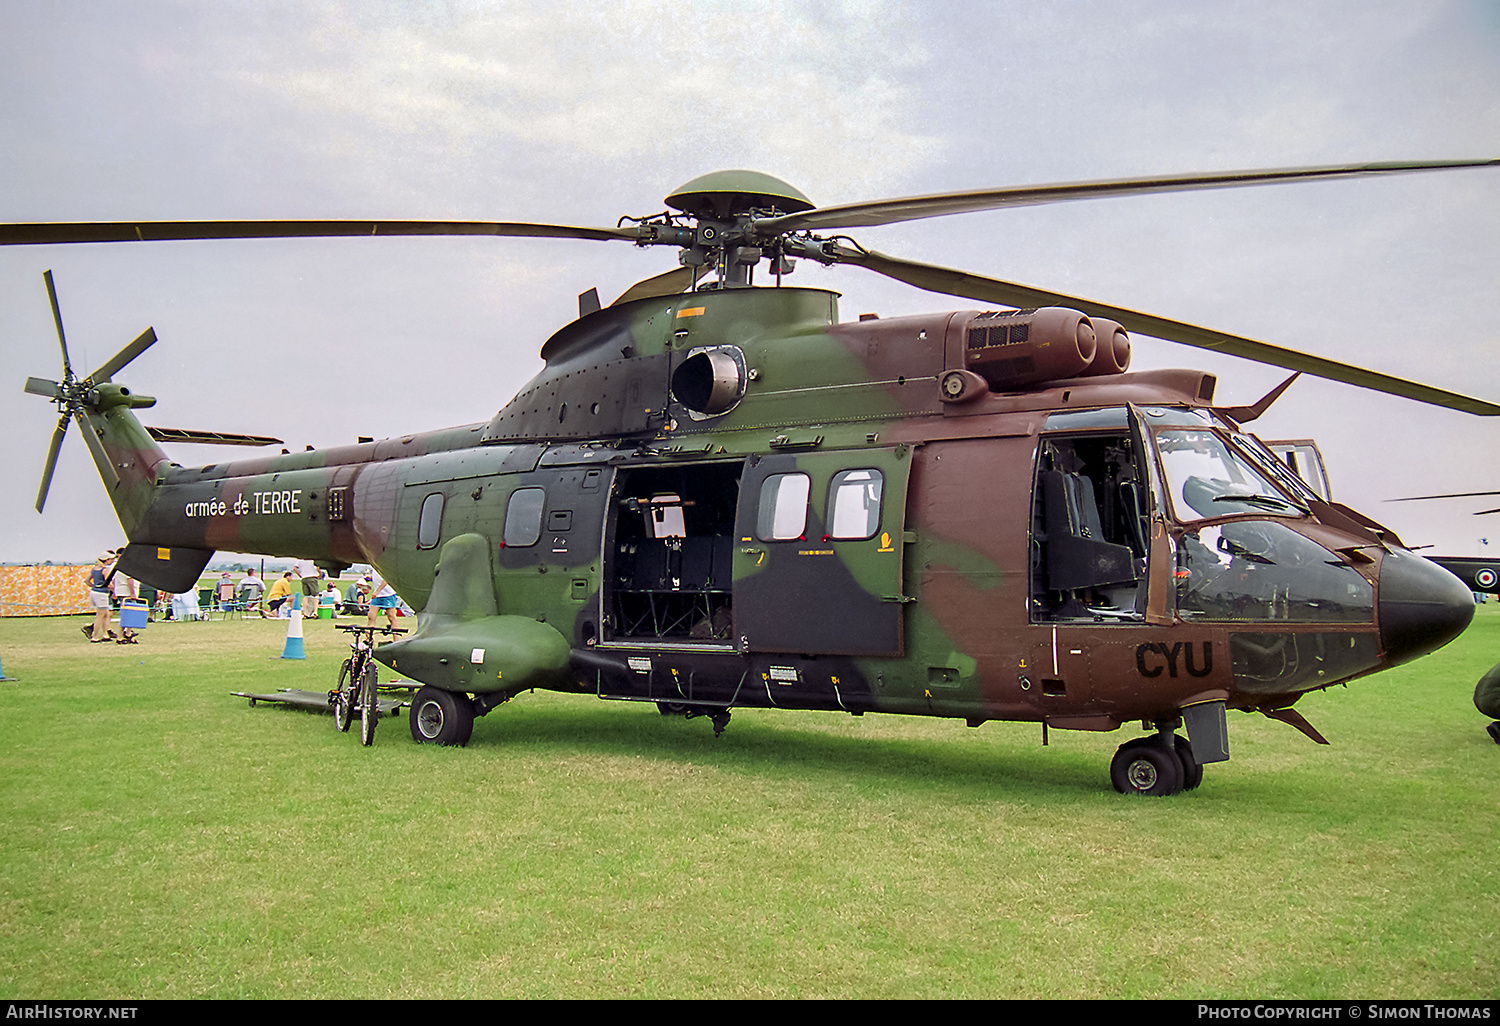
(990, 290)
(162, 231)
(1450, 495)
(144, 341)
(667, 284)
(51, 465)
(210, 437)
(912, 208)
(41, 386)
(101, 458)
(57, 319)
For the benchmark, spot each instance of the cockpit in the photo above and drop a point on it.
(1120, 488)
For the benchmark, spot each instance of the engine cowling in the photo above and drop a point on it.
(1013, 348)
(1113, 353)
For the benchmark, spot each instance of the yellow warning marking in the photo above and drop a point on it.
(163, 553)
(691, 311)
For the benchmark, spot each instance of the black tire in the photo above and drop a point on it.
(441, 717)
(343, 698)
(671, 708)
(1192, 769)
(369, 705)
(1144, 766)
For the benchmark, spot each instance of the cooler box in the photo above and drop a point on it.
(325, 608)
(133, 614)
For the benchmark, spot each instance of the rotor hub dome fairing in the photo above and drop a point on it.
(723, 194)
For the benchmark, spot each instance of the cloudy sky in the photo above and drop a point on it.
(580, 114)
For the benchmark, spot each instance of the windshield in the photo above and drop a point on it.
(1207, 478)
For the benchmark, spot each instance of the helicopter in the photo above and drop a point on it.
(1481, 574)
(716, 494)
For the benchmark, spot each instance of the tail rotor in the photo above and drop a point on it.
(74, 395)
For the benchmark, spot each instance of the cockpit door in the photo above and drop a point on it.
(818, 551)
(1159, 555)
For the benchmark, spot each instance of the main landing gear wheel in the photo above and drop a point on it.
(441, 717)
(369, 706)
(343, 699)
(1145, 766)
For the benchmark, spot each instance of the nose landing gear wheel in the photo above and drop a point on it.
(1144, 766)
(441, 717)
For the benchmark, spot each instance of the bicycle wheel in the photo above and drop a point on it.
(369, 706)
(343, 698)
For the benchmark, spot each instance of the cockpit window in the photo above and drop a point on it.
(1263, 570)
(1284, 475)
(1207, 478)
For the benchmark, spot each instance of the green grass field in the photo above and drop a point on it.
(163, 839)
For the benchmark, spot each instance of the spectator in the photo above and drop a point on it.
(251, 590)
(224, 590)
(98, 578)
(280, 594)
(305, 571)
(125, 588)
(382, 598)
(331, 598)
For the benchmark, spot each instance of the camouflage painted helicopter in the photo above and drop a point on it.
(717, 495)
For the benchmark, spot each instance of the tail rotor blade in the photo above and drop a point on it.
(57, 319)
(101, 458)
(145, 340)
(51, 465)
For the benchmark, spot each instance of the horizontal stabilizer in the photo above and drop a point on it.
(210, 437)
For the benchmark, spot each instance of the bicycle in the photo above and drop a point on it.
(358, 678)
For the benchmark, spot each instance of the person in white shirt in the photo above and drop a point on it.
(382, 598)
(307, 573)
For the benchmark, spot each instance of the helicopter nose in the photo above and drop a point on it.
(1421, 608)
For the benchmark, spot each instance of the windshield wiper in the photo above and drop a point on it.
(1256, 499)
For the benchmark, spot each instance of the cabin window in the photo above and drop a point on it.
(854, 504)
(783, 507)
(430, 521)
(523, 517)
